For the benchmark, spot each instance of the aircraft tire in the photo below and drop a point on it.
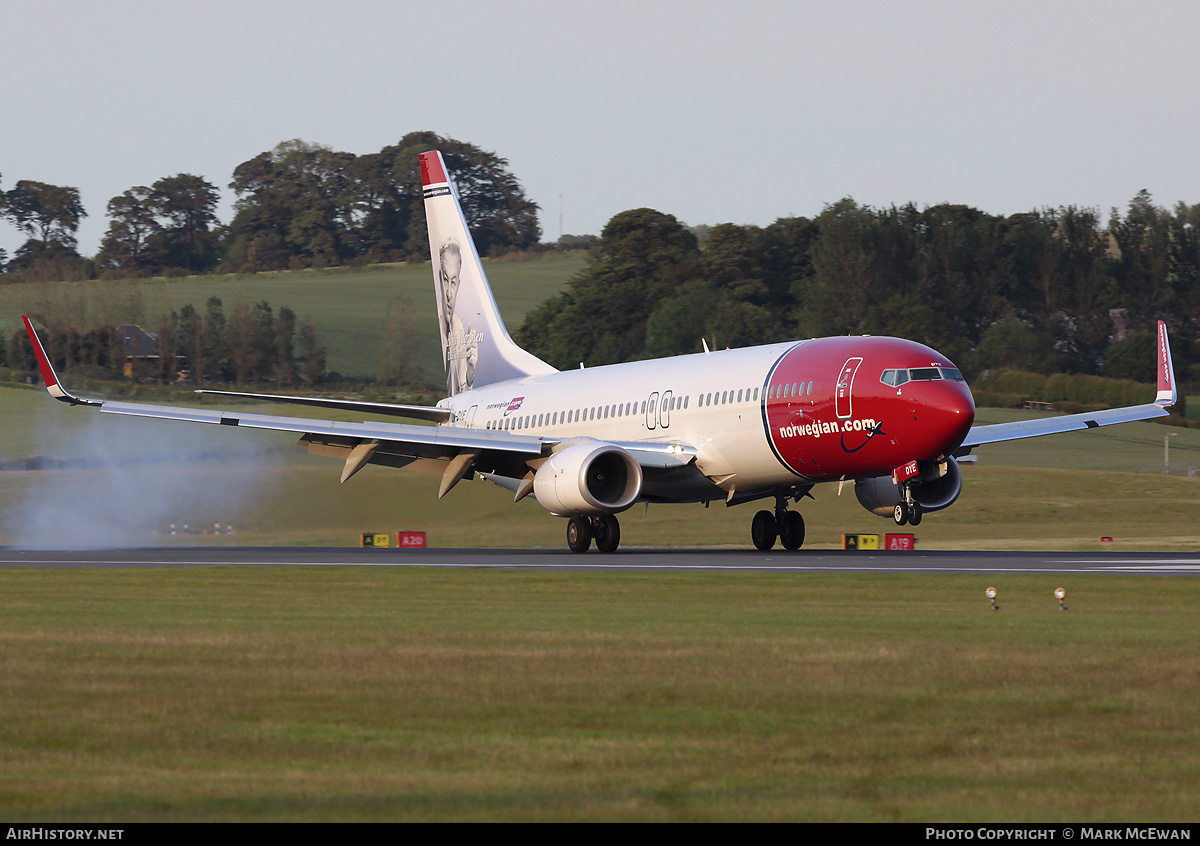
(791, 533)
(579, 534)
(914, 515)
(763, 530)
(608, 533)
(900, 515)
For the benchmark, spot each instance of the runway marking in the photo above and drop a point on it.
(799, 568)
(1191, 562)
(1186, 568)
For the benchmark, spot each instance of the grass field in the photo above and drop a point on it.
(379, 694)
(349, 306)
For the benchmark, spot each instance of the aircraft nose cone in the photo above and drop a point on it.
(955, 413)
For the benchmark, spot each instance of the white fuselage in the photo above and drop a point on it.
(664, 400)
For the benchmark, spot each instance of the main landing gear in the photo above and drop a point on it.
(788, 526)
(604, 529)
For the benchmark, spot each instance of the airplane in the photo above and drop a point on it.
(737, 426)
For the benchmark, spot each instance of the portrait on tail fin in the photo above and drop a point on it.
(462, 346)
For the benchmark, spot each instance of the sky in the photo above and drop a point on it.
(739, 112)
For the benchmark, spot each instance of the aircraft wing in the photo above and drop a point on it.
(394, 444)
(1166, 397)
(456, 449)
(415, 412)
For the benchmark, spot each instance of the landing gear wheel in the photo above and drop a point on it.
(914, 514)
(764, 530)
(607, 531)
(579, 534)
(900, 515)
(791, 533)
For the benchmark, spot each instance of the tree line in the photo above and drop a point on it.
(298, 205)
(251, 344)
(1052, 290)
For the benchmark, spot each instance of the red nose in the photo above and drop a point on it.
(953, 414)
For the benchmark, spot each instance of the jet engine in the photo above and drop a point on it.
(588, 479)
(936, 487)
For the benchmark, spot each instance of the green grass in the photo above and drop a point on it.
(378, 694)
(349, 306)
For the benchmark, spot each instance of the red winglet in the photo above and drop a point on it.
(53, 386)
(1167, 395)
(39, 352)
(432, 170)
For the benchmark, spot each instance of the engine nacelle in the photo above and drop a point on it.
(588, 479)
(937, 487)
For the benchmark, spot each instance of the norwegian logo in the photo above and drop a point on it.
(514, 405)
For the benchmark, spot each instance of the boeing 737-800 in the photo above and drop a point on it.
(735, 426)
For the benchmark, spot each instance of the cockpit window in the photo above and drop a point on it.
(925, 374)
(896, 378)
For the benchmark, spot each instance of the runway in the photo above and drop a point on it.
(626, 560)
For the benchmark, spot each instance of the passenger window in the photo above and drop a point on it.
(739, 399)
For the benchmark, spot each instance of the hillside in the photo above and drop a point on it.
(350, 306)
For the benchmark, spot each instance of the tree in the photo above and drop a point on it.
(125, 246)
(285, 346)
(399, 362)
(494, 204)
(1141, 268)
(191, 341)
(289, 212)
(643, 256)
(46, 213)
(215, 350)
(187, 206)
(168, 225)
(49, 215)
(167, 339)
(312, 354)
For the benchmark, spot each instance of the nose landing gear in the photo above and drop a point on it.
(907, 512)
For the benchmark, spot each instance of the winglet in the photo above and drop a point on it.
(1167, 395)
(53, 386)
